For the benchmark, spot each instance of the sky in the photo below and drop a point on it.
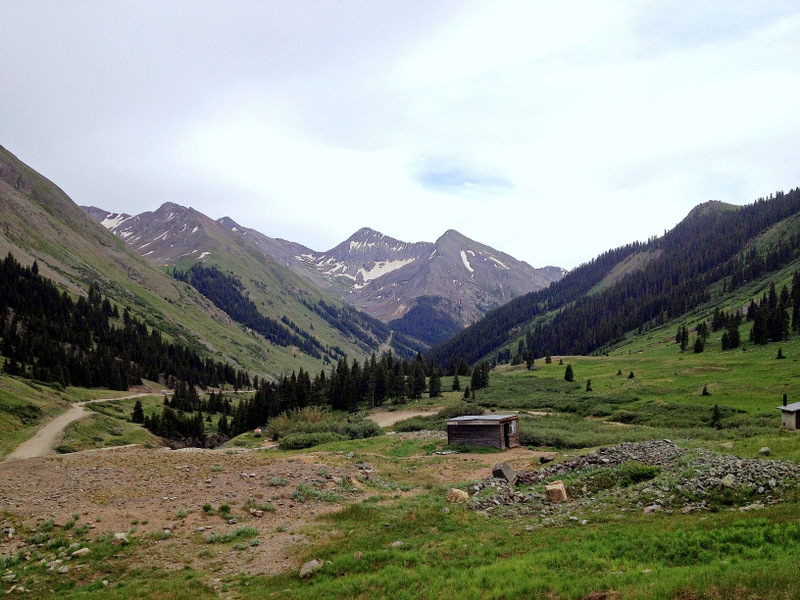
(551, 131)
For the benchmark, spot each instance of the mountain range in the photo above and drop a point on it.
(372, 293)
(426, 291)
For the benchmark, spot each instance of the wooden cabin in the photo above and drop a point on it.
(495, 431)
(790, 416)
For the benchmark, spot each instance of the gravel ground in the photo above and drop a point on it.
(153, 491)
(688, 480)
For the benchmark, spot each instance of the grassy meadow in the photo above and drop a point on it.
(397, 537)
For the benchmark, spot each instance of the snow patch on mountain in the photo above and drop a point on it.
(114, 220)
(499, 263)
(465, 260)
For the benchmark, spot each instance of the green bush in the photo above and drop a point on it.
(622, 476)
(623, 416)
(363, 428)
(299, 441)
(314, 420)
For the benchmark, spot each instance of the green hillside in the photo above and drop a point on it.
(39, 222)
(718, 256)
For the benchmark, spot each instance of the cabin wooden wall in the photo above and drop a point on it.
(476, 435)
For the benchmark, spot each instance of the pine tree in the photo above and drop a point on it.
(588, 385)
(568, 374)
(716, 417)
(137, 416)
(435, 384)
(456, 383)
(699, 345)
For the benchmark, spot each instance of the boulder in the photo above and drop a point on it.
(764, 451)
(556, 492)
(504, 471)
(456, 495)
(308, 569)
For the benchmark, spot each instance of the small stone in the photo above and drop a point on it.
(398, 544)
(504, 471)
(81, 552)
(729, 480)
(308, 569)
(652, 508)
(764, 451)
(120, 539)
(456, 495)
(556, 491)
(358, 555)
(63, 570)
(445, 509)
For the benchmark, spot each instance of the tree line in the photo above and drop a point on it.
(348, 386)
(48, 336)
(704, 249)
(228, 294)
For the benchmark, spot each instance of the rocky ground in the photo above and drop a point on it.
(160, 495)
(685, 480)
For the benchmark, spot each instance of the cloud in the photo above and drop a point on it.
(551, 131)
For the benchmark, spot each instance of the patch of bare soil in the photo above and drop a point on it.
(150, 492)
(389, 418)
(462, 466)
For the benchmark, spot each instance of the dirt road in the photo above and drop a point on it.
(387, 419)
(41, 444)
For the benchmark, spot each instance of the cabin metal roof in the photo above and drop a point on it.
(795, 407)
(480, 419)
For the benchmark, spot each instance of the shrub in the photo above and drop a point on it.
(299, 441)
(622, 476)
(363, 428)
(623, 416)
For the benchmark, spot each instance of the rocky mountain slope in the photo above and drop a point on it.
(426, 290)
(179, 237)
(39, 222)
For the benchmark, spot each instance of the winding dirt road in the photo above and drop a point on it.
(41, 444)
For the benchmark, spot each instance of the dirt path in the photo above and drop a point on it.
(387, 419)
(41, 444)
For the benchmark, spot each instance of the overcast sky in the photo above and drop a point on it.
(552, 131)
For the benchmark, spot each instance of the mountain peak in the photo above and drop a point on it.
(229, 223)
(710, 207)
